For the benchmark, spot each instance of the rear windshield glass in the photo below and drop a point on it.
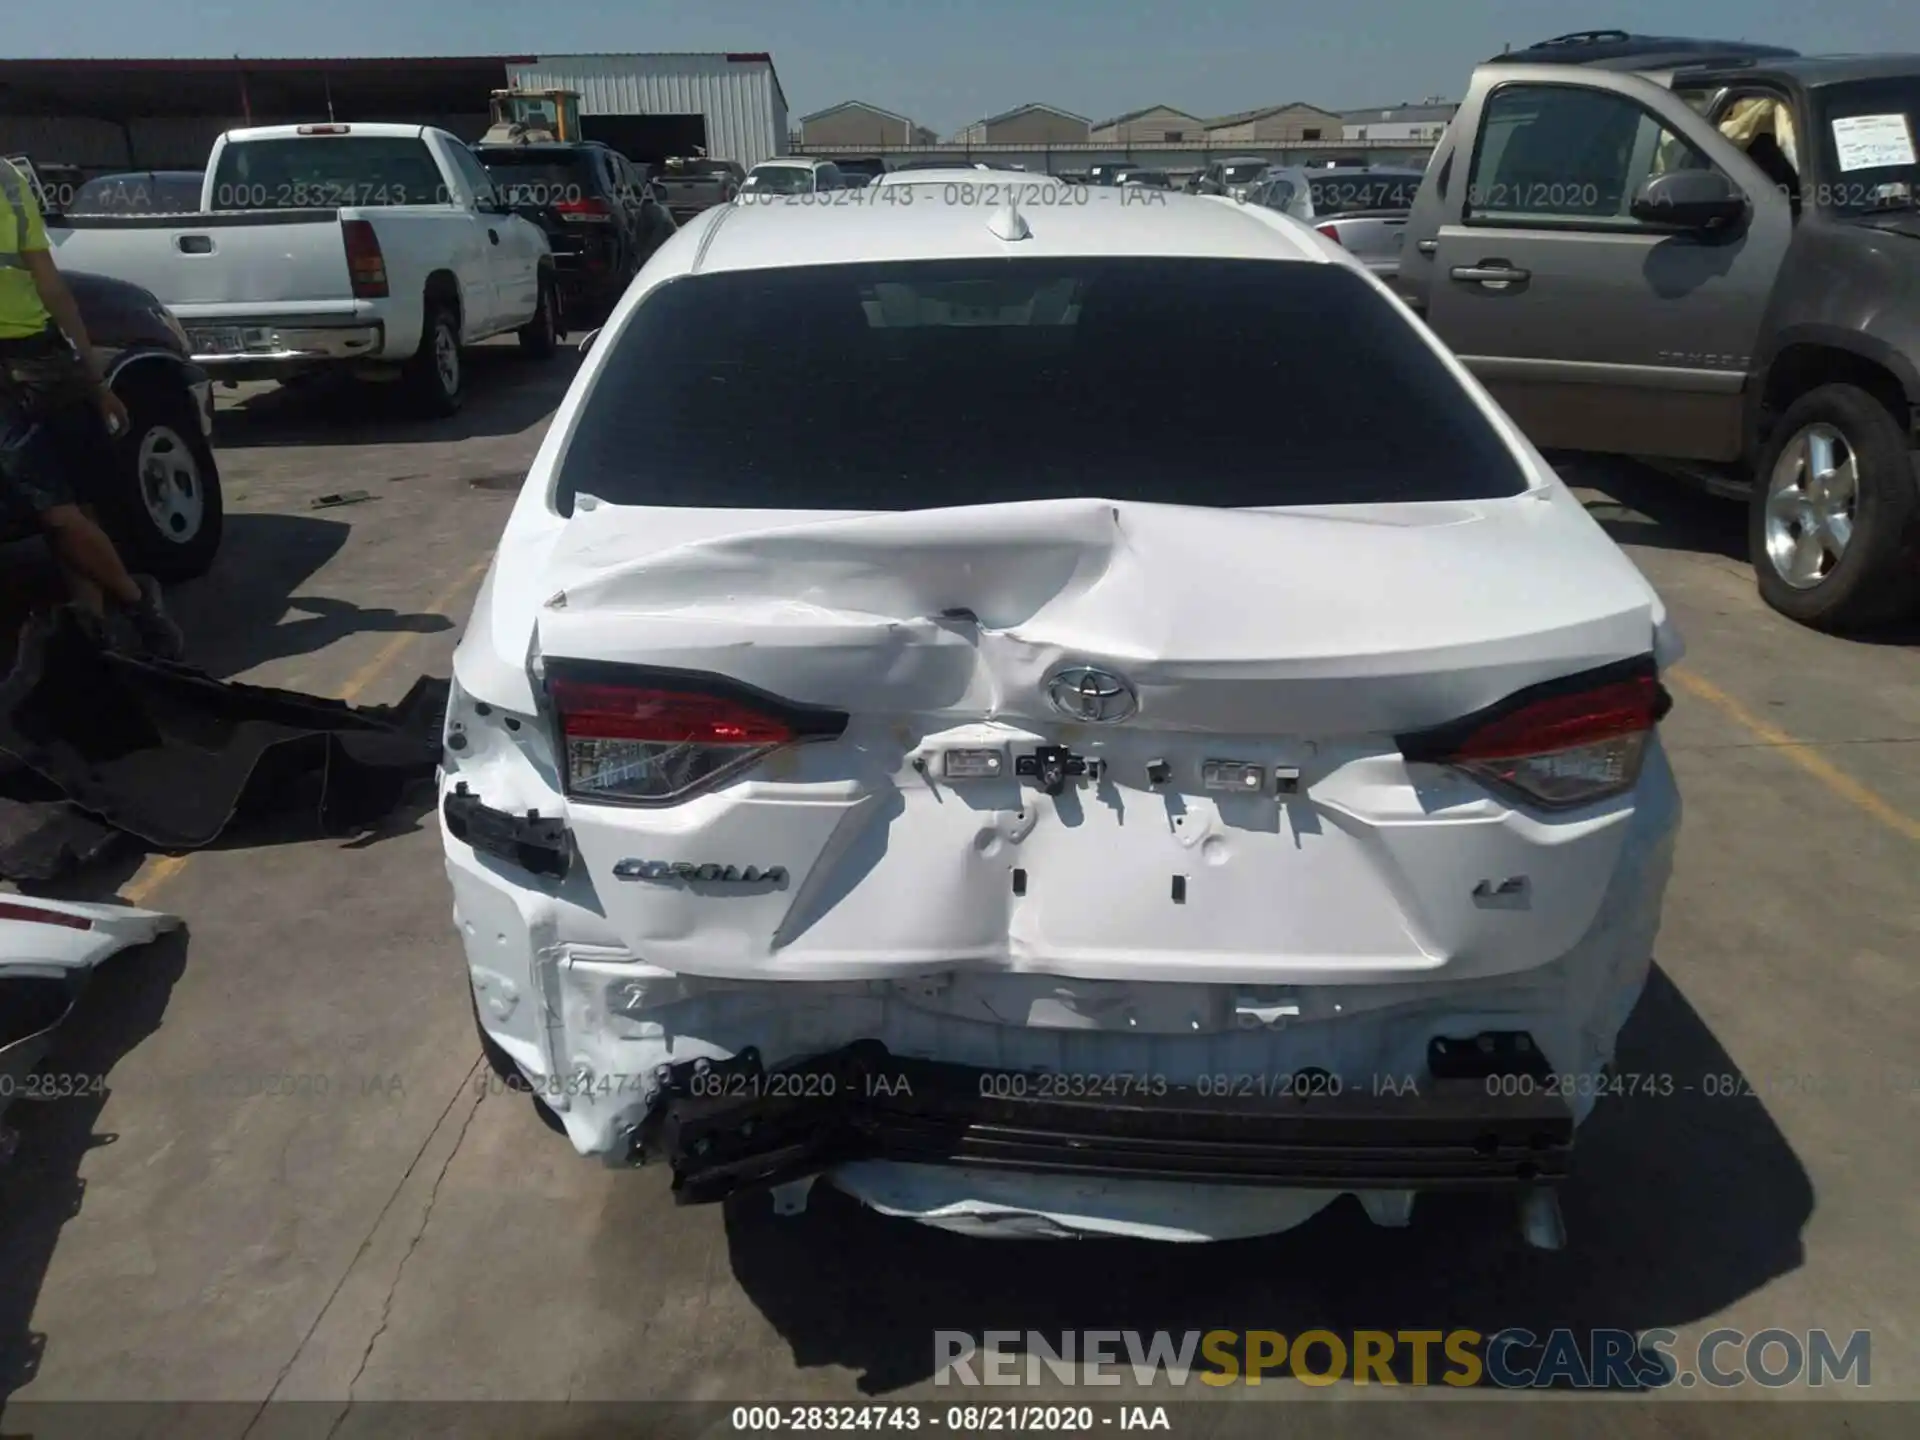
(535, 179)
(1344, 194)
(779, 180)
(327, 170)
(168, 194)
(912, 385)
(1240, 174)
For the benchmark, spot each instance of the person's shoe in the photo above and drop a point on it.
(158, 633)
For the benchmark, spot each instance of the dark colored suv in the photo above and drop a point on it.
(602, 218)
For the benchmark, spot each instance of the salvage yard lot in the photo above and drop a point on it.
(397, 1228)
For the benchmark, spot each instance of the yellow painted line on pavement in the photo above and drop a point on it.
(1801, 753)
(159, 870)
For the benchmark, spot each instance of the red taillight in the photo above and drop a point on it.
(14, 910)
(584, 210)
(1564, 722)
(366, 266)
(643, 743)
(1332, 232)
(621, 712)
(1564, 744)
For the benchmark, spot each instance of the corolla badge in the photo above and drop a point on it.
(1095, 696)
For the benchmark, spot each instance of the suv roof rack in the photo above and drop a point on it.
(1618, 50)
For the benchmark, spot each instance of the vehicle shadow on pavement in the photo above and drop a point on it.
(1678, 1207)
(233, 614)
(506, 393)
(42, 1188)
(1642, 506)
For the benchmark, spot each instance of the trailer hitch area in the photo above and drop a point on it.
(530, 841)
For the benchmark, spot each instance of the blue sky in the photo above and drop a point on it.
(948, 63)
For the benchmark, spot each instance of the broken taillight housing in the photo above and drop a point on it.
(1560, 745)
(646, 741)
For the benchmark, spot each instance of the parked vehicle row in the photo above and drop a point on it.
(1364, 211)
(364, 245)
(602, 216)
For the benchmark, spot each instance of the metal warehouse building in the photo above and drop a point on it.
(106, 115)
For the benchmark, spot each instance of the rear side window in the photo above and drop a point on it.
(143, 194)
(323, 170)
(905, 386)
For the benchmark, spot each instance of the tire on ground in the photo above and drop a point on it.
(163, 450)
(540, 336)
(1877, 577)
(427, 387)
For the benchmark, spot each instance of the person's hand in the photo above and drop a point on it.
(113, 412)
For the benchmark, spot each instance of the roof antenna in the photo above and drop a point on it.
(1007, 223)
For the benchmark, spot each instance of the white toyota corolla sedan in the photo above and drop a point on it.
(906, 738)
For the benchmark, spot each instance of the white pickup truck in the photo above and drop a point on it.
(372, 246)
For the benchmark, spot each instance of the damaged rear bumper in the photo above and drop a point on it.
(1469, 1123)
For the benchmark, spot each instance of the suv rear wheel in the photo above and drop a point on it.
(164, 506)
(1834, 525)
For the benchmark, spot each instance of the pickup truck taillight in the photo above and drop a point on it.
(585, 211)
(366, 266)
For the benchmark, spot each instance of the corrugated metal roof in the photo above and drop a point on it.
(1392, 113)
(871, 109)
(238, 62)
(1136, 114)
(1027, 108)
(1243, 116)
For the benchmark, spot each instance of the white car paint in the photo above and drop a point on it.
(283, 275)
(1338, 929)
(52, 939)
(48, 951)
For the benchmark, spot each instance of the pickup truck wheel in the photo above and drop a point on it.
(540, 336)
(1834, 524)
(436, 377)
(164, 507)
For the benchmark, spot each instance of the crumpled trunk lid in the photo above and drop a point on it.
(1299, 642)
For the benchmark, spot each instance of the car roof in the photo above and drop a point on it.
(326, 129)
(1619, 50)
(936, 225)
(791, 162)
(940, 175)
(1812, 71)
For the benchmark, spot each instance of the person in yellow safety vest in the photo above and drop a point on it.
(58, 420)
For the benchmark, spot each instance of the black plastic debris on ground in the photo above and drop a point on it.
(171, 756)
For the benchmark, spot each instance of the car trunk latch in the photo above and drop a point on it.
(1050, 766)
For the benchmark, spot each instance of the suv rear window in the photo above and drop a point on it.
(531, 177)
(913, 385)
(326, 170)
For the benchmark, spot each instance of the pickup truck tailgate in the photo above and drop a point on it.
(244, 259)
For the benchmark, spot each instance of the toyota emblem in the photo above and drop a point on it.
(1093, 696)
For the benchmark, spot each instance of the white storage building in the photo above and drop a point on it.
(658, 105)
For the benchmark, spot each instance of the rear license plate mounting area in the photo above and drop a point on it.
(1051, 766)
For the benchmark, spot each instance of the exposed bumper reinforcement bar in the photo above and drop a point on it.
(730, 1126)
